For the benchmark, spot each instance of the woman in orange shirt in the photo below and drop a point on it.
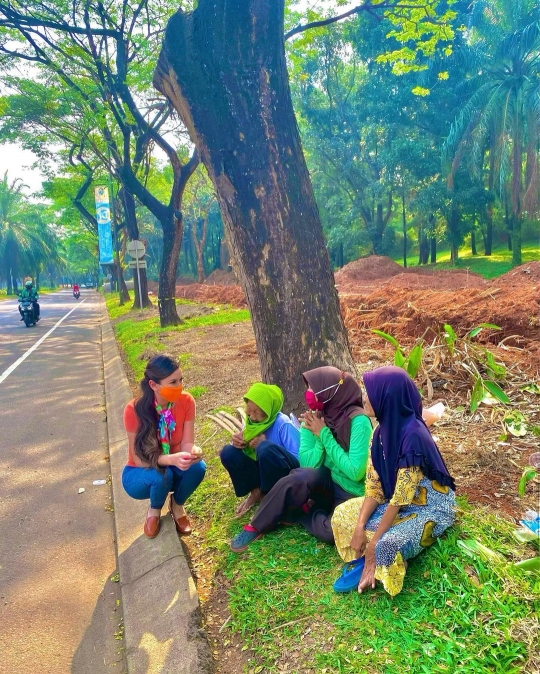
(162, 456)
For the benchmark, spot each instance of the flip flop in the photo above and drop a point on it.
(350, 576)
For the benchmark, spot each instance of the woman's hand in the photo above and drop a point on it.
(368, 575)
(182, 460)
(196, 454)
(238, 440)
(314, 423)
(256, 441)
(359, 541)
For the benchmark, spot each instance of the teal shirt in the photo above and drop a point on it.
(30, 295)
(348, 468)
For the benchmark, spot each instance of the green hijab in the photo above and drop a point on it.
(270, 399)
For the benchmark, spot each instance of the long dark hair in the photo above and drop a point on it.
(147, 446)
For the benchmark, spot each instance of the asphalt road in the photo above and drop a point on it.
(58, 606)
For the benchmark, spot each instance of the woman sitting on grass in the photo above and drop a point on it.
(162, 456)
(409, 498)
(265, 451)
(334, 445)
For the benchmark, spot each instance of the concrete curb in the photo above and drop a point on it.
(162, 616)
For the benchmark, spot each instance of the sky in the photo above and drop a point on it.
(18, 162)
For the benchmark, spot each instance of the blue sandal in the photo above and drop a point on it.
(350, 576)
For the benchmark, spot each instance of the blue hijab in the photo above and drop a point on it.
(402, 439)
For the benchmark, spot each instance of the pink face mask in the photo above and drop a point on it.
(311, 398)
(312, 402)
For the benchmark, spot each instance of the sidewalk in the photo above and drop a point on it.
(162, 618)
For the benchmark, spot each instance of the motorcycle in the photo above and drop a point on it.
(28, 313)
(76, 294)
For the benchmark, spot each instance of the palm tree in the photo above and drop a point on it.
(502, 114)
(27, 243)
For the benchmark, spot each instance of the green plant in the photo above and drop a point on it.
(475, 359)
(529, 473)
(410, 363)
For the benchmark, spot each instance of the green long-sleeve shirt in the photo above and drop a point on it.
(348, 468)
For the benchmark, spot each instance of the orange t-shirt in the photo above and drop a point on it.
(182, 411)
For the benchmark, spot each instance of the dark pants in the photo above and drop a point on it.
(289, 498)
(273, 462)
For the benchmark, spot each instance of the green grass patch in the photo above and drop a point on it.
(114, 309)
(498, 263)
(454, 613)
(197, 391)
(141, 337)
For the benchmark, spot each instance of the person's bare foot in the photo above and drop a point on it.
(255, 497)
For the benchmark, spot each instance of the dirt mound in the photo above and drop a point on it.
(216, 294)
(525, 273)
(408, 312)
(220, 277)
(367, 269)
(435, 280)
(368, 273)
(184, 281)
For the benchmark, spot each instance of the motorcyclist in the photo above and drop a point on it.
(29, 294)
(76, 290)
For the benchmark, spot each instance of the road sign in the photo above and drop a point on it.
(137, 264)
(136, 249)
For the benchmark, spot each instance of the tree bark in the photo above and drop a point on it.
(404, 217)
(132, 229)
(433, 250)
(473, 243)
(223, 67)
(172, 242)
(488, 240)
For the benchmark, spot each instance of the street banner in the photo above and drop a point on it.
(103, 215)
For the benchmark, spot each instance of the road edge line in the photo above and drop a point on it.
(160, 604)
(40, 341)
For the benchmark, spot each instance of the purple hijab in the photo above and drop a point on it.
(402, 439)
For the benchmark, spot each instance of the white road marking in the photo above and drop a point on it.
(16, 364)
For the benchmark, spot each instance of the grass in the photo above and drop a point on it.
(41, 291)
(498, 263)
(455, 614)
(141, 337)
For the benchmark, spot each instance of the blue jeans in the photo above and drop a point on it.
(143, 483)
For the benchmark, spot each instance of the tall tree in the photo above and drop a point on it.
(502, 112)
(101, 54)
(223, 67)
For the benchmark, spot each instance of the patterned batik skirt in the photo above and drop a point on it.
(416, 527)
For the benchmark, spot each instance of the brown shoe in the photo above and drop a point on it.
(182, 524)
(151, 526)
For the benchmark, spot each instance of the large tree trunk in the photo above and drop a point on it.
(132, 228)
(433, 250)
(172, 242)
(488, 239)
(223, 67)
(473, 243)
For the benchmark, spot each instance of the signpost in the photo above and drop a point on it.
(137, 250)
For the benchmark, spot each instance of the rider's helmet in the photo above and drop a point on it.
(29, 284)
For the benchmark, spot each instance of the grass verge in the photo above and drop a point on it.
(498, 263)
(455, 614)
